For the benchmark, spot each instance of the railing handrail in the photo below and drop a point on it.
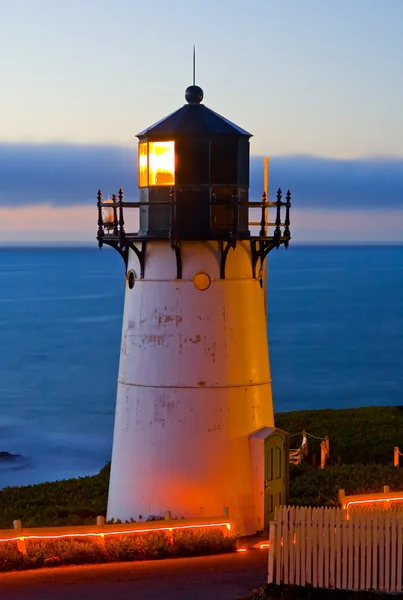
(113, 528)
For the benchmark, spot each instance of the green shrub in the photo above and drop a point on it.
(357, 435)
(361, 458)
(320, 487)
(46, 553)
(68, 502)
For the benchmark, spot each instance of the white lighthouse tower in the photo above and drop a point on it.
(194, 383)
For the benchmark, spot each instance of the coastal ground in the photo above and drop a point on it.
(224, 577)
(361, 460)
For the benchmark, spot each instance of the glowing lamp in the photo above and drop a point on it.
(107, 214)
(156, 163)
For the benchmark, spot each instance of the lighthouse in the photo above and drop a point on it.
(194, 397)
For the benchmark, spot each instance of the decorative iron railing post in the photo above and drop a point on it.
(263, 221)
(115, 215)
(100, 232)
(287, 232)
(234, 231)
(172, 217)
(121, 219)
(277, 231)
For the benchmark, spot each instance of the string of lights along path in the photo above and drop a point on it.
(194, 385)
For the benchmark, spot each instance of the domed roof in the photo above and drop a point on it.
(193, 119)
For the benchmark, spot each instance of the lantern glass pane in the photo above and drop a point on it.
(142, 153)
(161, 163)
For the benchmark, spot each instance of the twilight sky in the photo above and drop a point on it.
(319, 83)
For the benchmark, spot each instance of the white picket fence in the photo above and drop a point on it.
(360, 549)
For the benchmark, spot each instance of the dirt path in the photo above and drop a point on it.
(225, 577)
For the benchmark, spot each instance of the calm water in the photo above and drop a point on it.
(335, 330)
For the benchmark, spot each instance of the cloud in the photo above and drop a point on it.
(365, 183)
(57, 174)
(60, 173)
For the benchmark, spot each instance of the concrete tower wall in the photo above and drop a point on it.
(194, 383)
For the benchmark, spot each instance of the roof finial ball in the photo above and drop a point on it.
(194, 94)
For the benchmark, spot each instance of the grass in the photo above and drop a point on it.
(361, 460)
(68, 502)
(358, 435)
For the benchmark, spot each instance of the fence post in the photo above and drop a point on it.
(386, 489)
(323, 453)
(304, 443)
(226, 531)
(169, 532)
(101, 523)
(21, 542)
(272, 550)
(327, 442)
(342, 495)
(396, 456)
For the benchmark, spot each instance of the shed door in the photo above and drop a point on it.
(275, 484)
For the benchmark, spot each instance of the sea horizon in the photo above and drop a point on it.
(335, 326)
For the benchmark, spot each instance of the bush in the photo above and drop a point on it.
(361, 458)
(358, 435)
(69, 502)
(46, 553)
(320, 487)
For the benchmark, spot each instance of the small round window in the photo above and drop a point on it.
(201, 281)
(131, 278)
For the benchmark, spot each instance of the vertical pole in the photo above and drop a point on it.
(100, 219)
(115, 216)
(121, 219)
(327, 442)
(304, 444)
(396, 456)
(194, 64)
(322, 455)
(100, 524)
(266, 191)
(20, 542)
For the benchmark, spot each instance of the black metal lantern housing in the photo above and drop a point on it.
(205, 158)
(193, 177)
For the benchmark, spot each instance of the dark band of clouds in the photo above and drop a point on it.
(68, 173)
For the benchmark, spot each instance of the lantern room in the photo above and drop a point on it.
(198, 162)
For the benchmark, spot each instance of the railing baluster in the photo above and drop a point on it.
(234, 231)
(172, 216)
(100, 233)
(287, 233)
(277, 231)
(115, 216)
(263, 222)
(121, 219)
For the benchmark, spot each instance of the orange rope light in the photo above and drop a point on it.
(241, 550)
(369, 501)
(265, 545)
(104, 533)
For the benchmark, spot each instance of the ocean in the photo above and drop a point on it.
(335, 332)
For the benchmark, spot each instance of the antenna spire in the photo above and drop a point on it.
(194, 64)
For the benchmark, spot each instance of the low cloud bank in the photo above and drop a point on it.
(57, 174)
